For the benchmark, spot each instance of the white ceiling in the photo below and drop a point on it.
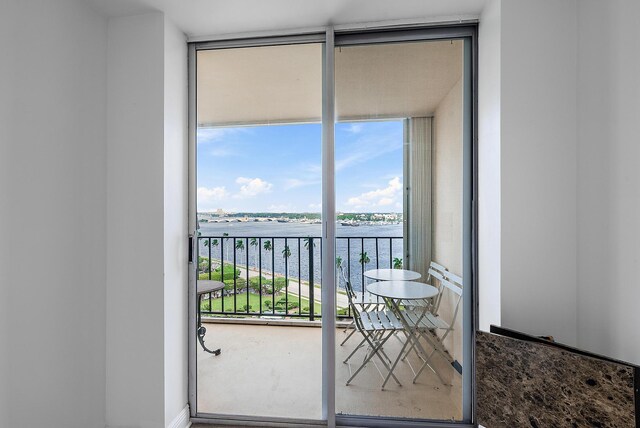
(215, 17)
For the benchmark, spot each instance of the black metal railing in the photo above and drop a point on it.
(281, 276)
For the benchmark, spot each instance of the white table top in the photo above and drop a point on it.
(402, 290)
(392, 274)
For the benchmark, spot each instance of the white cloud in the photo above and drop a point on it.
(312, 168)
(378, 198)
(206, 194)
(210, 135)
(221, 152)
(368, 146)
(280, 208)
(252, 187)
(315, 207)
(355, 128)
(292, 183)
(219, 142)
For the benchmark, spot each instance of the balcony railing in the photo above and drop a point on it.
(281, 277)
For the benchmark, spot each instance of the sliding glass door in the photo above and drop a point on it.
(258, 198)
(331, 188)
(399, 196)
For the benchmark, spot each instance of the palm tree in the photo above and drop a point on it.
(240, 246)
(214, 243)
(397, 263)
(210, 243)
(267, 247)
(364, 259)
(226, 240)
(286, 253)
(254, 243)
(307, 240)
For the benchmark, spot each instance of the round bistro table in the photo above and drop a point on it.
(395, 292)
(392, 275)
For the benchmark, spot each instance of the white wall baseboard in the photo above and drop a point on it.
(182, 419)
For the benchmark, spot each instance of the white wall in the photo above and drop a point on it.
(175, 221)
(135, 222)
(447, 181)
(146, 222)
(609, 178)
(447, 202)
(538, 167)
(489, 230)
(52, 214)
(567, 112)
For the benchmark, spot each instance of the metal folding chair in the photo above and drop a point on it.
(363, 300)
(428, 322)
(376, 327)
(436, 273)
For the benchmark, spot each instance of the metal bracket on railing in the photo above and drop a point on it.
(190, 248)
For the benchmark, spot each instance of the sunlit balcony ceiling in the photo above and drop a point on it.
(283, 84)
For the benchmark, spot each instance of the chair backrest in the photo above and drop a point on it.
(351, 294)
(447, 281)
(456, 279)
(455, 288)
(456, 291)
(355, 311)
(435, 274)
(436, 266)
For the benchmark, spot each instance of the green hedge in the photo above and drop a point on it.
(240, 284)
(254, 284)
(216, 275)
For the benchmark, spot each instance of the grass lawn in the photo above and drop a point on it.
(254, 304)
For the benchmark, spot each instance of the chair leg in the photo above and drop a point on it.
(360, 345)
(373, 352)
(348, 337)
(437, 345)
(394, 365)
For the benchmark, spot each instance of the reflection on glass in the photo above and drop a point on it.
(399, 201)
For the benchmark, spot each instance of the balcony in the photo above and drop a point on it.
(266, 321)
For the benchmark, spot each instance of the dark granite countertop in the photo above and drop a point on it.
(526, 384)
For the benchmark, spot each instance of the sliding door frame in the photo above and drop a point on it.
(350, 36)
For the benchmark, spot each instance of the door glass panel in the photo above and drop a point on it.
(399, 184)
(258, 203)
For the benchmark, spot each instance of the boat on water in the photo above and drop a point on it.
(349, 224)
(282, 220)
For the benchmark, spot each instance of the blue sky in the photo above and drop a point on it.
(277, 168)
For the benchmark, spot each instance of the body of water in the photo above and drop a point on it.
(382, 243)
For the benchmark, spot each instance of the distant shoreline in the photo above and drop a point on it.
(344, 219)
